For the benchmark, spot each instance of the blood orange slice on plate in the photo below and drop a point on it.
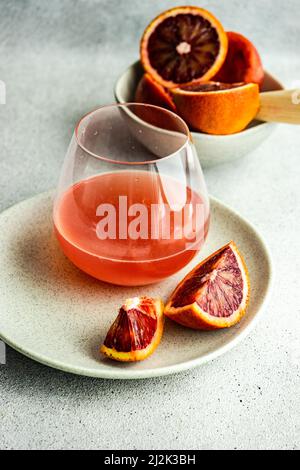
(183, 45)
(214, 294)
(137, 330)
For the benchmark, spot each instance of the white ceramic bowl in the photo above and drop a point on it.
(212, 149)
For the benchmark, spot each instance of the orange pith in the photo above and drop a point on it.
(214, 294)
(137, 330)
(183, 45)
(217, 108)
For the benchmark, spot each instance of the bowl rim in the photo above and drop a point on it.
(128, 105)
(197, 135)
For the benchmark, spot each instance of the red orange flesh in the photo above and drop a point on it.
(214, 294)
(137, 330)
(183, 45)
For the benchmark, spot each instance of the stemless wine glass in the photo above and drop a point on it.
(131, 206)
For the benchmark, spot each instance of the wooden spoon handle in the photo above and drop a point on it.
(280, 106)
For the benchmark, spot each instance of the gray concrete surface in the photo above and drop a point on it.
(58, 60)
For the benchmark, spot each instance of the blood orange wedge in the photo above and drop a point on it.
(151, 92)
(183, 45)
(214, 294)
(137, 330)
(217, 108)
(243, 63)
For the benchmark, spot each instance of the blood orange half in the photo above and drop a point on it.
(151, 92)
(183, 45)
(243, 62)
(137, 330)
(214, 294)
(217, 108)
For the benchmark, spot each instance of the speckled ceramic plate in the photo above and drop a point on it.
(55, 314)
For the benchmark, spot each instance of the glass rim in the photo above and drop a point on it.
(122, 162)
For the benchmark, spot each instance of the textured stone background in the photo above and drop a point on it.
(58, 60)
